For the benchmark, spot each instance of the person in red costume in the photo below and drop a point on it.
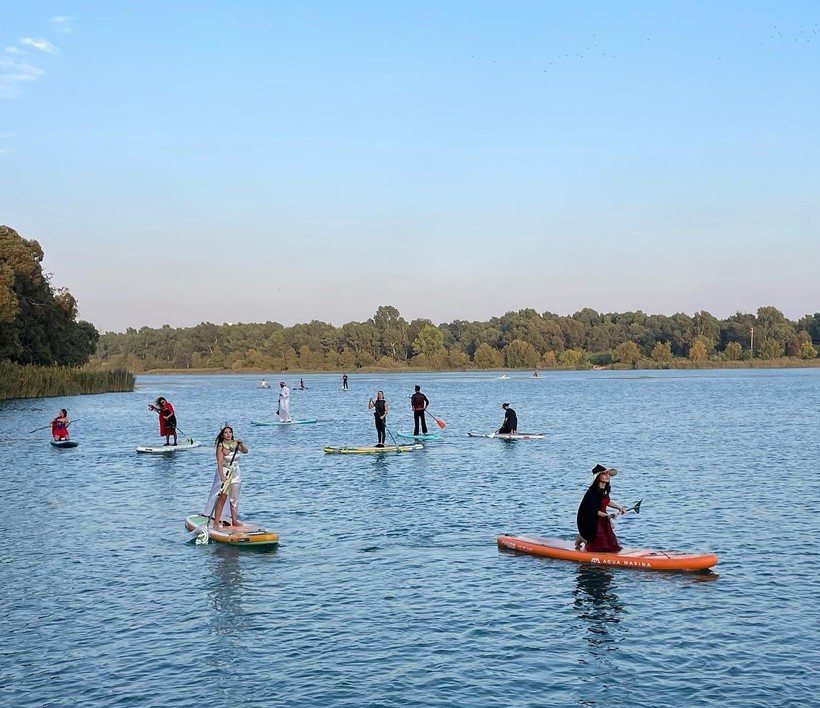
(594, 521)
(59, 426)
(167, 419)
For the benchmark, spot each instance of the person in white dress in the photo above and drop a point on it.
(284, 403)
(227, 464)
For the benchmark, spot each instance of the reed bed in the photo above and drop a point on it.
(26, 381)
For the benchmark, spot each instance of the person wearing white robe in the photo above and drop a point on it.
(284, 403)
(226, 459)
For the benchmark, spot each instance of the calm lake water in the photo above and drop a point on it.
(388, 588)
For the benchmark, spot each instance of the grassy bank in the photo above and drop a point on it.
(18, 381)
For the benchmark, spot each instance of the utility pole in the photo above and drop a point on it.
(753, 340)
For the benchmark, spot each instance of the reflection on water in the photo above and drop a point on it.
(598, 606)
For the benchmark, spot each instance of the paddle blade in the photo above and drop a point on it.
(638, 507)
(440, 423)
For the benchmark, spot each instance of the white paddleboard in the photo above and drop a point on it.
(165, 449)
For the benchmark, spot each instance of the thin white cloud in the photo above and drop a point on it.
(42, 44)
(62, 23)
(13, 50)
(13, 73)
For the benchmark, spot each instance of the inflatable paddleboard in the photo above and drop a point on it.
(422, 436)
(509, 436)
(64, 443)
(279, 422)
(242, 535)
(163, 449)
(643, 558)
(372, 450)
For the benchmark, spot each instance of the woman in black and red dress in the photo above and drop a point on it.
(167, 419)
(594, 525)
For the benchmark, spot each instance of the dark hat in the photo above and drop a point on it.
(611, 471)
(504, 405)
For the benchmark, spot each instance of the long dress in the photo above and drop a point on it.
(284, 404)
(236, 485)
(605, 539)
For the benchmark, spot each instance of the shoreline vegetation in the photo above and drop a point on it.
(28, 381)
(43, 347)
(524, 340)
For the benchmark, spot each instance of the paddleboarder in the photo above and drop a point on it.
(284, 403)
(167, 419)
(226, 463)
(594, 521)
(379, 415)
(419, 403)
(344, 382)
(59, 426)
(510, 423)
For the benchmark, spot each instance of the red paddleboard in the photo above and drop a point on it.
(644, 558)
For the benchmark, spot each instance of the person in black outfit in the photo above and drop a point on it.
(419, 403)
(510, 424)
(344, 382)
(380, 415)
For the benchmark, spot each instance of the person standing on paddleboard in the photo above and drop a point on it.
(59, 426)
(594, 522)
(226, 463)
(510, 424)
(344, 382)
(419, 403)
(380, 416)
(284, 403)
(167, 419)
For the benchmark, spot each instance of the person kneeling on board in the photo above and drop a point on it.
(594, 522)
(510, 424)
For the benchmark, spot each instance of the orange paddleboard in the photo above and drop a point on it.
(242, 535)
(644, 558)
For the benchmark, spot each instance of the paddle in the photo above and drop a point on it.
(636, 508)
(391, 437)
(49, 425)
(441, 424)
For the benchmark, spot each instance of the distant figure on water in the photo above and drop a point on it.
(301, 384)
(535, 374)
(167, 419)
(510, 423)
(284, 403)
(264, 384)
(227, 470)
(594, 524)
(419, 403)
(380, 416)
(344, 382)
(59, 426)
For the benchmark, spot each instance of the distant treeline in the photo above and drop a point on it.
(42, 345)
(517, 340)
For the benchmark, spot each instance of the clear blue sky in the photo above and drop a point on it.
(267, 160)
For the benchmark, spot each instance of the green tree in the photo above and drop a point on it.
(807, 351)
(770, 348)
(486, 357)
(662, 352)
(429, 341)
(627, 353)
(733, 351)
(573, 359)
(699, 349)
(519, 354)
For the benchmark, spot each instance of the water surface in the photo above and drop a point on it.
(388, 588)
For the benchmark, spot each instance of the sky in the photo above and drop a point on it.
(199, 160)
